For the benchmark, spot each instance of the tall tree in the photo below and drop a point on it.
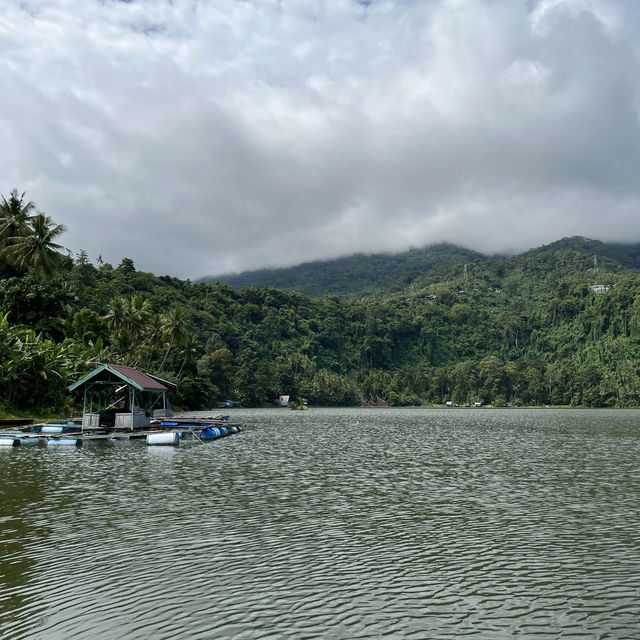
(37, 249)
(175, 331)
(15, 215)
(138, 312)
(116, 316)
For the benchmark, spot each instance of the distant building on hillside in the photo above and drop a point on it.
(599, 288)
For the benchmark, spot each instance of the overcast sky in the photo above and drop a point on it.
(211, 136)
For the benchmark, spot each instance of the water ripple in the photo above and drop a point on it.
(332, 524)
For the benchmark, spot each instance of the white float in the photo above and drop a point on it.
(67, 442)
(50, 428)
(163, 438)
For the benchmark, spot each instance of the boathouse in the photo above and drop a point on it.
(122, 397)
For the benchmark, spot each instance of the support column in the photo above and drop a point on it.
(133, 404)
(84, 407)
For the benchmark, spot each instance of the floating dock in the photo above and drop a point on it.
(169, 432)
(120, 403)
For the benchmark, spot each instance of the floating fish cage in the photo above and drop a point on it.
(165, 433)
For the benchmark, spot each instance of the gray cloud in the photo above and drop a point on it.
(206, 137)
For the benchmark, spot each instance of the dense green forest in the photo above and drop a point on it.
(361, 274)
(358, 274)
(523, 330)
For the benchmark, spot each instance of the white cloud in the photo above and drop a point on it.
(202, 137)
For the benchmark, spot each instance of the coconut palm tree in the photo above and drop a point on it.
(175, 330)
(15, 215)
(138, 312)
(116, 316)
(37, 250)
(188, 352)
(153, 337)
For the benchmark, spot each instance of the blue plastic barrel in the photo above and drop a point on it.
(215, 433)
(224, 432)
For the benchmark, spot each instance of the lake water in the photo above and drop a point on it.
(359, 523)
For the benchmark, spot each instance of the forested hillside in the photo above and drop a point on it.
(359, 274)
(626, 254)
(525, 330)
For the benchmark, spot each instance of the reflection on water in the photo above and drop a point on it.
(332, 524)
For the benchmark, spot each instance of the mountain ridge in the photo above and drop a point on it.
(366, 274)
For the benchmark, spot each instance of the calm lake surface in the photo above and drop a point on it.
(359, 523)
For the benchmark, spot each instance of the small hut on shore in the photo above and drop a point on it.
(122, 397)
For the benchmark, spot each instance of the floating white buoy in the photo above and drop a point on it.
(50, 428)
(69, 442)
(163, 438)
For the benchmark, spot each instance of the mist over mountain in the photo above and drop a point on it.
(365, 274)
(626, 254)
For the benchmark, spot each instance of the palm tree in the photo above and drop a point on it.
(37, 250)
(128, 319)
(15, 215)
(138, 312)
(188, 352)
(153, 336)
(116, 316)
(175, 330)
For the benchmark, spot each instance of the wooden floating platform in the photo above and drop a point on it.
(15, 422)
(166, 432)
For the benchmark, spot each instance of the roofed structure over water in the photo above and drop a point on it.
(122, 397)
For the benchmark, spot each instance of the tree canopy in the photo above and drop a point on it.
(522, 330)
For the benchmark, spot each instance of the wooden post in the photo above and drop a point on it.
(133, 404)
(84, 407)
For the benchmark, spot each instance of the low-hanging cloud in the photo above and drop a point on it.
(206, 137)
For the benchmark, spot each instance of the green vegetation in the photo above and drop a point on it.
(359, 274)
(464, 328)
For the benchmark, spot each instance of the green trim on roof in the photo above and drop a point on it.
(88, 377)
(119, 375)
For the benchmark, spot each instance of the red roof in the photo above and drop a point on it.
(144, 380)
(128, 375)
